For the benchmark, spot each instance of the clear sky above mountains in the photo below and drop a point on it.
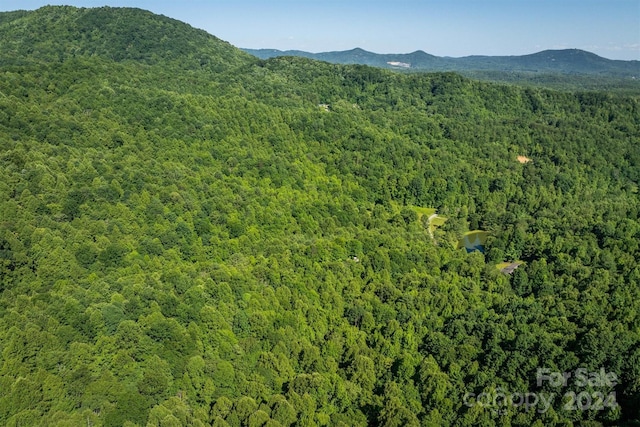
(609, 28)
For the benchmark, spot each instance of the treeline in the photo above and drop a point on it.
(200, 245)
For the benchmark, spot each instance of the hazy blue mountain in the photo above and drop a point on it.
(566, 61)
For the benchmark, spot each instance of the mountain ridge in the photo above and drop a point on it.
(564, 61)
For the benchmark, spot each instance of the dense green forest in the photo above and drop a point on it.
(191, 236)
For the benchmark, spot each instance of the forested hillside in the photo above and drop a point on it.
(190, 236)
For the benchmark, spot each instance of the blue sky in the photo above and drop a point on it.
(609, 28)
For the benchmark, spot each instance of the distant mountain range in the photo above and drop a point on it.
(566, 61)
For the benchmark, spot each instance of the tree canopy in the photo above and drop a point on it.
(192, 236)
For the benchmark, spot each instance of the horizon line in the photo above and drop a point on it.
(439, 56)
